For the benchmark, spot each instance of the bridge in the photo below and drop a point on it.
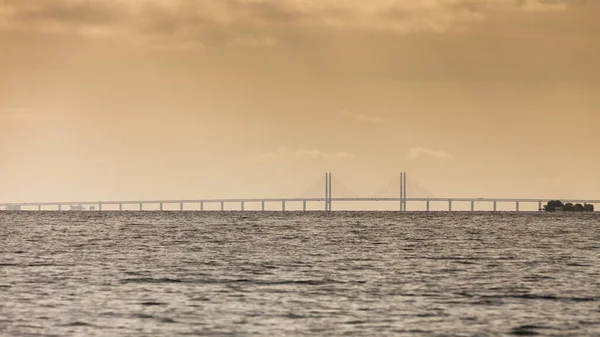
(321, 193)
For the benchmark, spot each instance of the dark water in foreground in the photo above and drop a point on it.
(294, 274)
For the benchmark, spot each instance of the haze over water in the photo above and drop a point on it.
(299, 274)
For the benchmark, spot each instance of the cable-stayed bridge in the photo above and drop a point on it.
(408, 195)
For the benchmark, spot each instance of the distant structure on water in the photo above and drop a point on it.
(321, 195)
(557, 205)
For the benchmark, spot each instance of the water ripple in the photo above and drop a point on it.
(299, 274)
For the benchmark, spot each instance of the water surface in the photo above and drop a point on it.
(299, 274)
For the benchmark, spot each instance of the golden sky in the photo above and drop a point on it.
(122, 99)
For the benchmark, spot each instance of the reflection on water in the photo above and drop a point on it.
(242, 274)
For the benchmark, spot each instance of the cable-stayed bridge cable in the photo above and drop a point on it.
(339, 189)
(316, 190)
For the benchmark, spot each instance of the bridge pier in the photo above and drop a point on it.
(60, 207)
(222, 206)
(328, 192)
(283, 205)
(39, 207)
(120, 207)
(517, 206)
(161, 206)
(242, 204)
(449, 205)
(100, 206)
(495, 206)
(141, 206)
(472, 205)
(427, 205)
(403, 186)
(201, 206)
(401, 192)
(304, 205)
(539, 205)
(262, 204)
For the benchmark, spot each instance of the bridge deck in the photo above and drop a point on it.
(290, 200)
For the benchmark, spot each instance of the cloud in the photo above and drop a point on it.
(252, 42)
(180, 23)
(26, 113)
(317, 154)
(246, 23)
(417, 152)
(16, 114)
(363, 118)
(542, 5)
(303, 154)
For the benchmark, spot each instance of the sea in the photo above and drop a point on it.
(299, 274)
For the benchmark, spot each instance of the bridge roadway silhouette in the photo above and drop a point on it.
(304, 201)
(400, 186)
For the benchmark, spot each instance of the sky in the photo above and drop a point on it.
(182, 99)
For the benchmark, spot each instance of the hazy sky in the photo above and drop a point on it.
(124, 99)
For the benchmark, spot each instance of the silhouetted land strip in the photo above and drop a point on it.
(557, 205)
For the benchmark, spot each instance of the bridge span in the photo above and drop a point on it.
(319, 196)
(283, 203)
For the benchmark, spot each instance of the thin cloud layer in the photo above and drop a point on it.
(14, 115)
(22, 114)
(417, 152)
(303, 154)
(363, 118)
(248, 23)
